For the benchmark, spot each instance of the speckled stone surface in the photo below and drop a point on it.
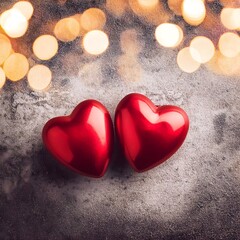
(193, 195)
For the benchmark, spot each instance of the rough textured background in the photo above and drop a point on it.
(194, 195)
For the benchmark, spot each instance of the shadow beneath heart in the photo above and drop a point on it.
(48, 166)
(119, 166)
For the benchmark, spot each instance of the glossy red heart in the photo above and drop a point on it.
(149, 135)
(82, 141)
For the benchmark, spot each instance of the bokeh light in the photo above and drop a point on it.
(78, 17)
(153, 15)
(186, 62)
(202, 49)
(169, 35)
(16, 67)
(229, 44)
(25, 7)
(45, 47)
(93, 19)
(95, 42)
(148, 3)
(230, 3)
(2, 78)
(5, 48)
(67, 29)
(129, 42)
(193, 11)
(14, 23)
(117, 7)
(39, 77)
(230, 18)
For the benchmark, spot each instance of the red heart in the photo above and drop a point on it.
(82, 141)
(149, 135)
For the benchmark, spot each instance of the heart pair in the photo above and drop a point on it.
(148, 135)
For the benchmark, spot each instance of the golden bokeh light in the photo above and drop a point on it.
(224, 66)
(2, 78)
(148, 3)
(16, 67)
(5, 48)
(175, 6)
(45, 47)
(67, 29)
(93, 19)
(186, 62)
(153, 15)
(230, 18)
(95, 42)
(117, 7)
(14, 23)
(78, 17)
(230, 3)
(25, 7)
(229, 44)
(39, 77)
(169, 35)
(193, 12)
(129, 42)
(202, 49)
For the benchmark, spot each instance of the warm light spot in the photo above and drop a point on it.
(5, 48)
(202, 49)
(25, 7)
(230, 18)
(148, 3)
(130, 43)
(2, 78)
(154, 15)
(230, 3)
(93, 19)
(95, 42)
(67, 29)
(185, 61)
(16, 67)
(39, 77)
(14, 23)
(117, 7)
(45, 47)
(193, 11)
(229, 66)
(78, 17)
(175, 6)
(169, 35)
(229, 44)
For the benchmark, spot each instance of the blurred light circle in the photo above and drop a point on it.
(25, 7)
(148, 3)
(169, 35)
(229, 44)
(2, 78)
(95, 42)
(230, 18)
(45, 47)
(16, 67)
(185, 61)
(67, 29)
(14, 23)
(39, 77)
(202, 49)
(93, 19)
(5, 48)
(193, 11)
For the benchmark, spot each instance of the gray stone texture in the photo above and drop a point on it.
(193, 195)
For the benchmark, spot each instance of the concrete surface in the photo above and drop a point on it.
(194, 195)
